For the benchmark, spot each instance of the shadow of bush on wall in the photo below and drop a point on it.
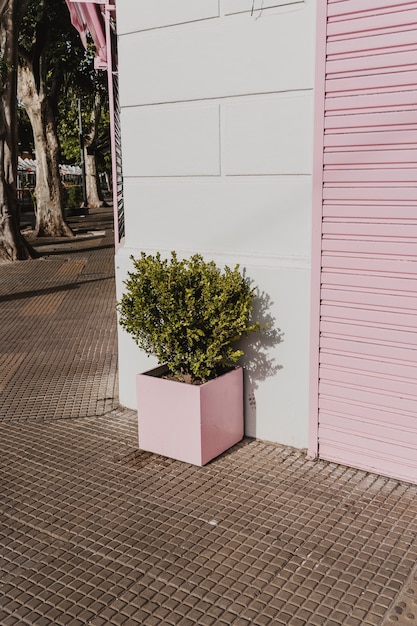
(258, 362)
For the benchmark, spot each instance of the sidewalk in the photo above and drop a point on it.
(95, 532)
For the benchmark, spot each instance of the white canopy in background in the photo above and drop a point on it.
(29, 165)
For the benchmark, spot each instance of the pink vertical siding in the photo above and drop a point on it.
(366, 223)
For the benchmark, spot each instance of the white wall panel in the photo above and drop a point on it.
(269, 135)
(144, 14)
(264, 218)
(217, 58)
(175, 140)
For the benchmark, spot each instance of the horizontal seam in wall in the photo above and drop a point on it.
(221, 98)
(214, 176)
(165, 26)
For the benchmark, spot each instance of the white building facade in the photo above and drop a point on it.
(216, 101)
(218, 157)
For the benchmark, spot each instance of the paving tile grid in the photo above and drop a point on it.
(94, 531)
(58, 327)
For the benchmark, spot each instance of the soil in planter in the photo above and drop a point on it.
(183, 378)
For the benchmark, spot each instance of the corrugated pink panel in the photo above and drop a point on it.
(368, 312)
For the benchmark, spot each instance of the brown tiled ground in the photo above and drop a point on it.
(95, 531)
(58, 333)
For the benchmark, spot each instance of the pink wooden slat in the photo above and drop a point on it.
(345, 313)
(377, 212)
(371, 299)
(376, 441)
(382, 184)
(371, 157)
(378, 334)
(385, 138)
(350, 194)
(372, 42)
(378, 21)
(342, 261)
(373, 102)
(330, 406)
(374, 363)
(369, 82)
(388, 435)
(369, 120)
(352, 7)
(381, 247)
(399, 175)
(400, 371)
(362, 459)
(393, 284)
(368, 396)
(372, 230)
(376, 383)
(367, 348)
(371, 63)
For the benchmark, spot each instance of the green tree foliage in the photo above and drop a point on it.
(188, 313)
(85, 84)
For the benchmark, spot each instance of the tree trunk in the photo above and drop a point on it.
(50, 221)
(13, 247)
(92, 183)
(94, 196)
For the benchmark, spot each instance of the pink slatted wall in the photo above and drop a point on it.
(366, 220)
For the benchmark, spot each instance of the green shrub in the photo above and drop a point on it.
(73, 196)
(188, 313)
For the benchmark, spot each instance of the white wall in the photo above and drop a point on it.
(217, 125)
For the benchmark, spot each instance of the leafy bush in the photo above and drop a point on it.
(188, 313)
(73, 196)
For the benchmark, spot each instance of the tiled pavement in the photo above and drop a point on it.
(94, 531)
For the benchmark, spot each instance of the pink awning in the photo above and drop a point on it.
(87, 16)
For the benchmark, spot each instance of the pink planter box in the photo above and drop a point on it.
(191, 423)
